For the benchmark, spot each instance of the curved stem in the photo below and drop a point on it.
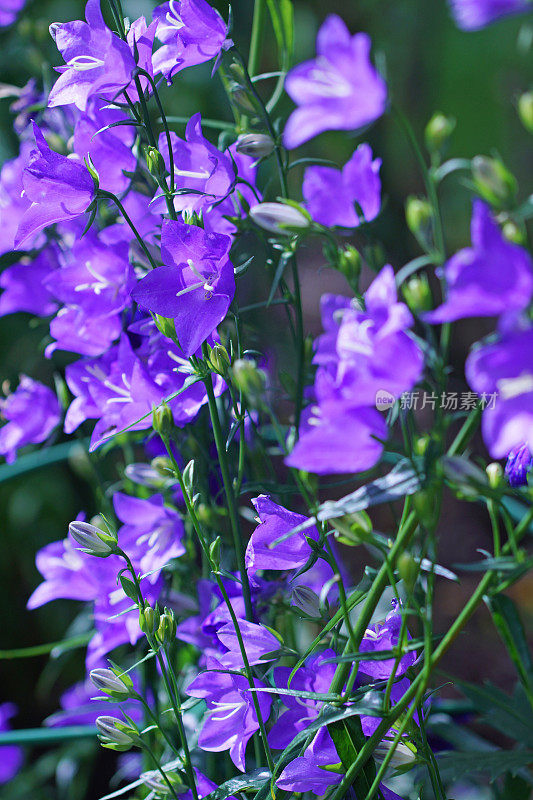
(110, 196)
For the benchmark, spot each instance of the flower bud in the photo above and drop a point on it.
(219, 359)
(514, 233)
(495, 474)
(438, 131)
(154, 781)
(419, 217)
(93, 541)
(148, 475)
(306, 600)
(162, 420)
(525, 110)
(417, 294)
(519, 465)
(350, 262)
(493, 181)
(353, 529)
(249, 379)
(257, 145)
(279, 217)
(107, 681)
(243, 100)
(155, 162)
(114, 734)
(162, 466)
(408, 570)
(149, 619)
(166, 632)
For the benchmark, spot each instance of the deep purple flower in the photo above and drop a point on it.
(10, 756)
(473, 14)
(196, 285)
(9, 9)
(60, 189)
(31, 412)
(338, 90)
(492, 277)
(13, 200)
(257, 640)
(231, 720)
(331, 194)
(97, 60)
(519, 464)
(199, 167)
(24, 287)
(191, 31)
(152, 533)
(504, 368)
(77, 331)
(384, 637)
(111, 150)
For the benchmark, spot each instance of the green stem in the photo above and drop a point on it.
(256, 36)
(110, 196)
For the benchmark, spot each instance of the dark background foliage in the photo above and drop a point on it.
(430, 66)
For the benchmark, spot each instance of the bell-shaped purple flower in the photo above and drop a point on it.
(32, 412)
(11, 756)
(258, 643)
(331, 194)
(13, 199)
(383, 637)
(337, 90)
(9, 10)
(60, 189)
(471, 15)
(492, 277)
(192, 32)
(231, 718)
(24, 287)
(519, 464)
(501, 372)
(196, 285)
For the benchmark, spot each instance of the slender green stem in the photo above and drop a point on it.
(256, 36)
(300, 354)
(110, 196)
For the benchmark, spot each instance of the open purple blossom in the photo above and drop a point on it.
(258, 643)
(152, 533)
(504, 368)
(338, 90)
(519, 464)
(385, 637)
(9, 10)
(59, 188)
(196, 285)
(13, 200)
(11, 756)
(471, 15)
(31, 412)
(202, 173)
(77, 331)
(492, 277)
(191, 32)
(24, 287)
(97, 61)
(333, 196)
(231, 719)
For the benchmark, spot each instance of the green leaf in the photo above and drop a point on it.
(128, 587)
(282, 16)
(507, 620)
(251, 781)
(47, 736)
(494, 763)
(43, 649)
(513, 715)
(348, 738)
(44, 457)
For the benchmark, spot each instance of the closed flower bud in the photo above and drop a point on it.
(148, 475)
(93, 541)
(525, 110)
(306, 600)
(279, 217)
(350, 262)
(493, 181)
(495, 474)
(114, 734)
(419, 217)
(408, 570)
(162, 465)
(149, 619)
(166, 632)
(244, 101)
(219, 359)
(514, 233)
(256, 145)
(438, 131)
(108, 682)
(162, 420)
(249, 379)
(155, 162)
(417, 294)
(353, 529)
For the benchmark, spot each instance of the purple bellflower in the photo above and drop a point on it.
(196, 285)
(14, 202)
(24, 288)
(338, 90)
(331, 194)
(492, 277)
(191, 32)
(519, 464)
(231, 719)
(31, 412)
(10, 756)
(384, 637)
(199, 167)
(471, 15)
(258, 643)
(505, 367)
(9, 10)
(60, 189)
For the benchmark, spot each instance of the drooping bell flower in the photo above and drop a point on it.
(32, 412)
(470, 15)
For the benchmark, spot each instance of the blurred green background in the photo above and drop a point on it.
(430, 66)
